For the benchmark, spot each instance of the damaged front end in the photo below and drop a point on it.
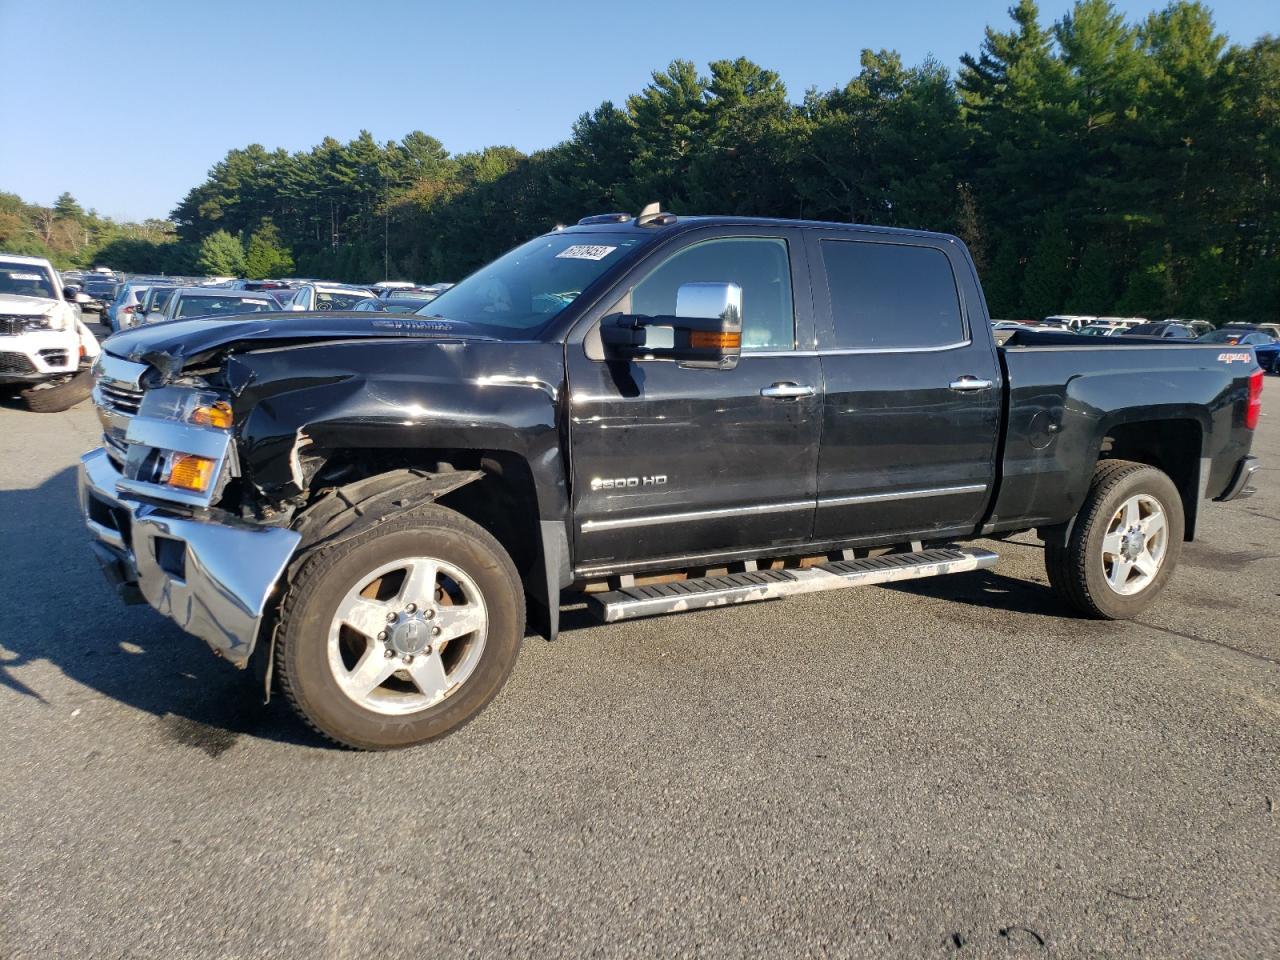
(169, 453)
(178, 519)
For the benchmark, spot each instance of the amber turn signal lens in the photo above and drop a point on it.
(214, 415)
(191, 472)
(715, 340)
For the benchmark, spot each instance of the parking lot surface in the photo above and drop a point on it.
(955, 766)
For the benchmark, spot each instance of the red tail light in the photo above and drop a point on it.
(130, 309)
(1254, 409)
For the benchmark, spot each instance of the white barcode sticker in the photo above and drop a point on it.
(585, 251)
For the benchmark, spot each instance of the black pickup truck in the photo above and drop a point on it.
(654, 413)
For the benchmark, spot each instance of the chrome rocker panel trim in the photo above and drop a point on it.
(228, 572)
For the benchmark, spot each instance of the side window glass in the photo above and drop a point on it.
(759, 265)
(890, 295)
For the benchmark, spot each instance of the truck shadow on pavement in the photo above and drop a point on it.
(56, 608)
(986, 588)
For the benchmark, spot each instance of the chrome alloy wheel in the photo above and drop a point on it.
(407, 635)
(1135, 544)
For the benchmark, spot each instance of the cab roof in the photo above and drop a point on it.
(680, 224)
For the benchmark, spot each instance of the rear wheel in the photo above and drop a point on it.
(54, 396)
(1124, 545)
(401, 634)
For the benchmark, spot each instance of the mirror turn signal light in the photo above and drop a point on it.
(715, 340)
(213, 415)
(190, 472)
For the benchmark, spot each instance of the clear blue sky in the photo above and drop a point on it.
(127, 104)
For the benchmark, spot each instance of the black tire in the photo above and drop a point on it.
(310, 605)
(1076, 569)
(60, 396)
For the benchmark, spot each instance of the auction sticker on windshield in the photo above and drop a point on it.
(585, 251)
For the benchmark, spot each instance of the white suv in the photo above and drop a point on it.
(43, 343)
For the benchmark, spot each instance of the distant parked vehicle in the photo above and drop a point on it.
(1268, 355)
(100, 293)
(386, 287)
(151, 303)
(1068, 321)
(327, 296)
(1240, 335)
(44, 347)
(188, 302)
(388, 305)
(1108, 329)
(1271, 328)
(1165, 330)
(121, 310)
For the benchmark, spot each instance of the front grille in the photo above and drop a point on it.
(10, 325)
(121, 399)
(15, 363)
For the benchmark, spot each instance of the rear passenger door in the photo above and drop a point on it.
(911, 414)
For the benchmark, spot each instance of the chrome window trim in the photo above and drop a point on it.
(619, 523)
(902, 495)
(845, 352)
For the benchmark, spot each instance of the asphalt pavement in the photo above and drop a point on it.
(956, 766)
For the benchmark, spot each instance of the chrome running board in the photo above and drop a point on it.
(681, 595)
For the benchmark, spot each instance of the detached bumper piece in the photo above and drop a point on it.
(681, 595)
(1239, 488)
(212, 579)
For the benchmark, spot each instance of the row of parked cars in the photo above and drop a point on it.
(140, 300)
(1263, 337)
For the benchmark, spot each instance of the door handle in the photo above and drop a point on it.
(968, 384)
(787, 391)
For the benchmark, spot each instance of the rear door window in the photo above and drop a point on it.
(887, 296)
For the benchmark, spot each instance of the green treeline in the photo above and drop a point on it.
(1092, 166)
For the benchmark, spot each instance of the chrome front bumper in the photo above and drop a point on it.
(211, 579)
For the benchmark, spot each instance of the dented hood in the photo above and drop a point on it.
(171, 346)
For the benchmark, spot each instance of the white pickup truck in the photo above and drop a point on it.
(46, 351)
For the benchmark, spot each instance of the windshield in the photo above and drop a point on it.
(197, 306)
(26, 280)
(98, 288)
(519, 293)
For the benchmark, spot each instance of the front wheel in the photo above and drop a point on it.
(400, 634)
(1124, 545)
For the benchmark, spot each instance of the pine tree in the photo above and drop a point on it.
(221, 255)
(1044, 286)
(1091, 292)
(1002, 282)
(266, 256)
(1150, 286)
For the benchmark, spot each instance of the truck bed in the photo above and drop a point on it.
(1068, 397)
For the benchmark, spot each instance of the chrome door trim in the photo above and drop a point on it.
(901, 495)
(619, 523)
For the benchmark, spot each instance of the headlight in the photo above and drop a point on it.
(33, 324)
(201, 408)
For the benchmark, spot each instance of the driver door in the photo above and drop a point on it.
(673, 463)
